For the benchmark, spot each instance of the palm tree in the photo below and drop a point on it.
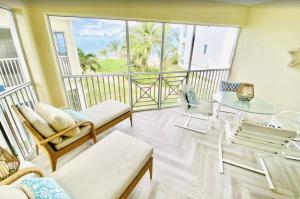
(114, 46)
(142, 42)
(88, 62)
(171, 47)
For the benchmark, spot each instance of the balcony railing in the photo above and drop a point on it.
(11, 72)
(141, 90)
(65, 65)
(15, 135)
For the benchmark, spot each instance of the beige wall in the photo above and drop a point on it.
(262, 57)
(40, 53)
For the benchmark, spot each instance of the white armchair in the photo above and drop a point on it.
(202, 110)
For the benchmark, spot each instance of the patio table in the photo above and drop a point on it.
(256, 105)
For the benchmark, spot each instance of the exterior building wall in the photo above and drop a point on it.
(184, 47)
(219, 42)
(65, 25)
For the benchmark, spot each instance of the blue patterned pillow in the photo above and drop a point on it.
(191, 96)
(77, 117)
(227, 86)
(43, 188)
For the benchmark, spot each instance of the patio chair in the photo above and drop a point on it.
(289, 120)
(285, 120)
(109, 169)
(202, 110)
(99, 118)
(260, 140)
(227, 87)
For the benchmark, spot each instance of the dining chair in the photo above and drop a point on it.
(285, 120)
(289, 120)
(195, 108)
(261, 141)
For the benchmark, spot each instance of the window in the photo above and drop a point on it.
(177, 46)
(7, 46)
(204, 49)
(100, 45)
(92, 45)
(60, 43)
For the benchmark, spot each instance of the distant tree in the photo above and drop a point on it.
(143, 39)
(114, 47)
(103, 52)
(88, 62)
(171, 55)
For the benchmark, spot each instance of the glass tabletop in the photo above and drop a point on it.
(256, 105)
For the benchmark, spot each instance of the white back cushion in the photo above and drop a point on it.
(56, 118)
(39, 123)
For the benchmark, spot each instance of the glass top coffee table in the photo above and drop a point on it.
(256, 105)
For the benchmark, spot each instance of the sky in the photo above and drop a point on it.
(93, 35)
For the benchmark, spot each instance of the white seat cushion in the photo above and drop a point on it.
(106, 169)
(10, 192)
(105, 112)
(68, 140)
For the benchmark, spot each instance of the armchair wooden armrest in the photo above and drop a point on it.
(14, 177)
(44, 141)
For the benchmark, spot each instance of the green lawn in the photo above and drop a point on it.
(111, 65)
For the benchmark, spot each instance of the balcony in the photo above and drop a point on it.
(143, 91)
(82, 56)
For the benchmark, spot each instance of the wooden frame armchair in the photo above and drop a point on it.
(19, 174)
(88, 175)
(48, 148)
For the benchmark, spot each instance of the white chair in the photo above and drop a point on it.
(203, 110)
(260, 140)
(286, 120)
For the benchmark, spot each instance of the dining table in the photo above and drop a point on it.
(256, 105)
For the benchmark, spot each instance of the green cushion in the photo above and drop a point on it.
(191, 96)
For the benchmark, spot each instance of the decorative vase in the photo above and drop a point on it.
(245, 92)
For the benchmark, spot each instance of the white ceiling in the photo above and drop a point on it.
(245, 2)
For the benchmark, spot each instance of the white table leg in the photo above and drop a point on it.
(239, 116)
